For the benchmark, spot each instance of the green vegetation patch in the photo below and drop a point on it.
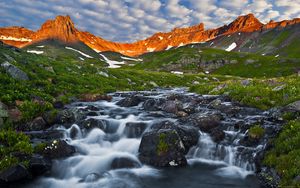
(12, 146)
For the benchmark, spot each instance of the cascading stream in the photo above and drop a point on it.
(108, 157)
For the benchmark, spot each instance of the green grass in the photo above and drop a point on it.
(188, 59)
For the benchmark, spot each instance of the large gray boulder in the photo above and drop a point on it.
(162, 148)
(14, 71)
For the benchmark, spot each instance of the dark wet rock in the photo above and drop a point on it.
(162, 148)
(153, 104)
(58, 105)
(217, 135)
(92, 123)
(124, 162)
(130, 101)
(14, 174)
(58, 149)
(14, 71)
(172, 106)
(70, 116)
(92, 108)
(189, 135)
(38, 165)
(92, 114)
(37, 124)
(45, 135)
(268, 178)
(205, 121)
(134, 130)
(50, 117)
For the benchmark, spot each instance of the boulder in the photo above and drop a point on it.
(38, 165)
(205, 121)
(70, 116)
(124, 162)
(217, 135)
(14, 71)
(162, 148)
(172, 106)
(92, 123)
(130, 101)
(134, 130)
(189, 135)
(14, 174)
(293, 107)
(58, 149)
(37, 124)
(152, 104)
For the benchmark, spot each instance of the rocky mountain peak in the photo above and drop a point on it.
(245, 23)
(61, 28)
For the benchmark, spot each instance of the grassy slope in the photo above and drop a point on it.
(263, 66)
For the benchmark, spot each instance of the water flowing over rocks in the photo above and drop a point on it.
(159, 138)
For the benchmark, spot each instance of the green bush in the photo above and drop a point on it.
(12, 145)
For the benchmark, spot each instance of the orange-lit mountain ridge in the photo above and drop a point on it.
(62, 28)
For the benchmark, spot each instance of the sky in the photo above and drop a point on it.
(131, 20)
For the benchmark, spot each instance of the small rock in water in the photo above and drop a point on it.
(129, 101)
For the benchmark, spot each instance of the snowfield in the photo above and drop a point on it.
(130, 59)
(112, 64)
(231, 47)
(177, 72)
(150, 49)
(35, 51)
(169, 47)
(85, 55)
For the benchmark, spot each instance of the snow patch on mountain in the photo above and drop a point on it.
(169, 47)
(231, 47)
(85, 55)
(150, 49)
(131, 59)
(177, 72)
(160, 37)
(35, 51)
(112, 64)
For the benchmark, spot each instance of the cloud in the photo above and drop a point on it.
(130, 20)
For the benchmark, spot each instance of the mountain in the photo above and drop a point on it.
(62, 28)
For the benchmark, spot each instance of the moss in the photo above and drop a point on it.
(162, 146)
(39, 148)
(256, 132)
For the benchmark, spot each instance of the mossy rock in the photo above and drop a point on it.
(256, 132)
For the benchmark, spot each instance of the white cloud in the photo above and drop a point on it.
(129, 20)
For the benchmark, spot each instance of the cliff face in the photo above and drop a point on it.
(62, 28)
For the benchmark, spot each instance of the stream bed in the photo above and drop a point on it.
(116, 142)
